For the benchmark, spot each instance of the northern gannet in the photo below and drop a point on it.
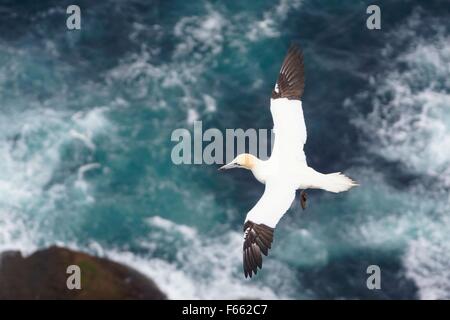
(286, 170)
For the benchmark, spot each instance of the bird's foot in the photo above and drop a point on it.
(303, 198)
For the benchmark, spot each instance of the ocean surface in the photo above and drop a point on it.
(85, 149)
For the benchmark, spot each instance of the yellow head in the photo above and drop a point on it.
(244, 160)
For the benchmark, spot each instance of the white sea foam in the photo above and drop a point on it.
(199, 42)
(204, 269)
(30, 152)
(414, 127)
(203, 33)
(426, 259)
(269, 25)
(170, 226)
(410, 124)
(192, 116)
(210, 103)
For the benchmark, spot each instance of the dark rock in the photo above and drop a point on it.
(43, 275)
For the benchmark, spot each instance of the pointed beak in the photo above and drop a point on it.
(231, 165)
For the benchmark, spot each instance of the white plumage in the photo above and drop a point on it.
(290, 130)
(275, 201)
(286, 170)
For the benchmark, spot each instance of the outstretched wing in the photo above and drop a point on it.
(260, 224)
(291, 79)
(286, 108)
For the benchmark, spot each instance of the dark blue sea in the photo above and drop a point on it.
(86, 118)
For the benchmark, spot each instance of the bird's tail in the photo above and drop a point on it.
(336, 182)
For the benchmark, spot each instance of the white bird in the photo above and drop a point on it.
(286, 170)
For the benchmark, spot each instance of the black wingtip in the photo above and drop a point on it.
(291, 79)
(257, 241)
